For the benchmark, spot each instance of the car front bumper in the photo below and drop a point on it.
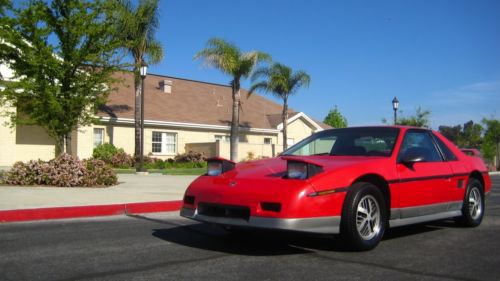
(323, 225)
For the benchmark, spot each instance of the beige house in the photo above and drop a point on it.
(181, 115)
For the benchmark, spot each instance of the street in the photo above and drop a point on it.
(165, 246)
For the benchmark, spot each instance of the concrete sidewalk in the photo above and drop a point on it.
(133, 195)
(131, 189)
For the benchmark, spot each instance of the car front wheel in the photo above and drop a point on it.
(473, 206)
(364, 217)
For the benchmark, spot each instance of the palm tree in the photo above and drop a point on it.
(281, 81)
(137, 26)
(229, 59)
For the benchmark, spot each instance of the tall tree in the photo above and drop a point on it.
(471, 135)
(229, 59)
(492, 139)
(6, 32)
(468, 136)
(451, 133)
(62, 61)
(419, 119)
(335, 119)
(281, 81)
(138, 26)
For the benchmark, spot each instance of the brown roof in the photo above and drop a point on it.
(191, 102)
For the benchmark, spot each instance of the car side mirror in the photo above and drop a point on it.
(410, 158)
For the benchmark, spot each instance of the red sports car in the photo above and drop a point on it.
(355, 182)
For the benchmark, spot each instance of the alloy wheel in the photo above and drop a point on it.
(475, 203)
(368, 217)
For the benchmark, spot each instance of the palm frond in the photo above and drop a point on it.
(154, 52)
(137, 27)
(262, 86)
(221, 55)
(298, 80)
(280, 80)
(260, 72)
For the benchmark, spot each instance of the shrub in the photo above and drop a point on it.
(191, 156)
(98, 173)
(250, 156)
(30, 173)
(105, 152)
(152, 162)
(2, 177)
(122, 160)
(64, 170)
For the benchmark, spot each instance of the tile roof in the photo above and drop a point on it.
(191, 102)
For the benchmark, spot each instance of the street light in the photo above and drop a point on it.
(395, 105)
(144, 72)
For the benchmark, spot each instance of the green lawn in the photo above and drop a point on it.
(172, 171)
(185, 171)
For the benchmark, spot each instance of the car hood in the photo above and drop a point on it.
(276, 167)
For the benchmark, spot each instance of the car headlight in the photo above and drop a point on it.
(217, 166)
(302, 170)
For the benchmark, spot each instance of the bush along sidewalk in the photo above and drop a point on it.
(63, 171)
(124, 163)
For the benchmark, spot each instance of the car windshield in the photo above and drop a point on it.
(360, 141)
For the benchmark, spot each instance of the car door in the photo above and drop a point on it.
(424, 178)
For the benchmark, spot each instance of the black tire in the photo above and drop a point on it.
(473, 205)
(370, 230)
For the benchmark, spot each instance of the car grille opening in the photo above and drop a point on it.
(224, 211)
(271, 206)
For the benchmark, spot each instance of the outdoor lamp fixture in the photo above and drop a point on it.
(144, 72)
(395, 105)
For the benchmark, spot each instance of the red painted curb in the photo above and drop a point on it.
(88, 211)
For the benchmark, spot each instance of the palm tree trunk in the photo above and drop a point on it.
(137, 115)
(284, 119)
(235, 124)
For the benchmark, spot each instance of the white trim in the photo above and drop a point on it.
(186, 125)
(102, 140)
(301, 115)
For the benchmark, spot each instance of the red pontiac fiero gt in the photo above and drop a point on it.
(353, 181)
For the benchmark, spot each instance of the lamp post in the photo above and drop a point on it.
(395, 105)
(144, 72)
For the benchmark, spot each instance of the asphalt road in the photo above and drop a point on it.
(167, 247)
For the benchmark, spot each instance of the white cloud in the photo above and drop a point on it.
(468, 102)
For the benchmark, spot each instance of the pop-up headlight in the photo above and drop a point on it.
(302, 170)
(218, 166)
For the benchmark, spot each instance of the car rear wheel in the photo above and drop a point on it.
(473, 206)
(364, 217)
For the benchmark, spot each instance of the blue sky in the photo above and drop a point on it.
(442, 55)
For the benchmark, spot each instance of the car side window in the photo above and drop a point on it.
(448, 155)
(421, 143)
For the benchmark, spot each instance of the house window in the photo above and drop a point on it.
(222, 138)
(267, 141)
(98, 136)
(164, 143)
